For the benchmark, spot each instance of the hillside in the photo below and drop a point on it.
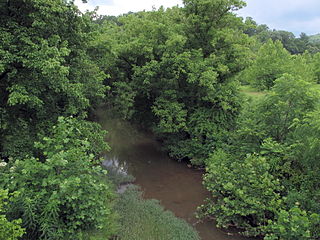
(315, 38)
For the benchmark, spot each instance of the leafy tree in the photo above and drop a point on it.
(44, 70)
(275, 144)
(275, 115)
(271, 62)
(173, 72)
(9, 230)
(303, 42)
(206, 21)
(290, 99)
(316, 66)
(301, 65)
(303, 158)
(288, 41)
(294, 45)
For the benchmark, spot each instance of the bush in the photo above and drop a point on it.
(9, 230)
(246, 194)
(293, 224)
(63, 193)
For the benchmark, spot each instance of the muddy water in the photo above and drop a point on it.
(177, 187)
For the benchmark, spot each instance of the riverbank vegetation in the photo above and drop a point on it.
(185, 73)
(49, 151)
(146, 219)
(195, 76)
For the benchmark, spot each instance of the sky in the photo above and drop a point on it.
(291, 15)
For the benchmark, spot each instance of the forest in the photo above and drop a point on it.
(219, 92)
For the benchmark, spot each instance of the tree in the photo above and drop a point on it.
(9, 230)
(206, 19)
(273, 148)
(292, 224)
(271, 62)
(316, 66)
(292, 44)
(173, 72)
(44, 70)
(291, 99)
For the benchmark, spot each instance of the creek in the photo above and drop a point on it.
(177, 187)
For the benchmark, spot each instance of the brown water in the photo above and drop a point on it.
(177, 187)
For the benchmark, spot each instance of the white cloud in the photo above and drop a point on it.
(291, 15)
(310, 27)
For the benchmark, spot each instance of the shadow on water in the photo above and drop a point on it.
(177, 187)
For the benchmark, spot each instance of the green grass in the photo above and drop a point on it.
(136, 218)
(252, 92)
(145, 219)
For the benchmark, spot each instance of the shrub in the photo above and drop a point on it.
(63, 193)
(9, 230)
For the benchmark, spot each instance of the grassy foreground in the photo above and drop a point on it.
(142, 219)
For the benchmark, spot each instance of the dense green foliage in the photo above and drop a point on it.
(315, 38)
(50, 160)
(61, 193)
(316, 66)
(177, 72)
(294, 45)
(44, 70)
(267, 176)
(9, 230)
(272, 60)
(246, 193)
(173, 79)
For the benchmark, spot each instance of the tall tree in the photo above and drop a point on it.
(271, 61)
(175, 73)
(44, 69)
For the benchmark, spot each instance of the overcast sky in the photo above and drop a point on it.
(291, 15)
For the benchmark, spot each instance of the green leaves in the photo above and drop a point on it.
(271, 62)
(266, 182)
(45, 70)
(172, 115)
(173, 72)
(246, 194)
(291, 98)
(9, 230)
(292, 224)
(63, 193)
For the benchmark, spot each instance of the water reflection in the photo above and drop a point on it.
(113, 164)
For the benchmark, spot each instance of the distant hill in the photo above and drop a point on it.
(315, 38)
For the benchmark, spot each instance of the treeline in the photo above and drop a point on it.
(52, 185)
(295, 45)
(179, 72)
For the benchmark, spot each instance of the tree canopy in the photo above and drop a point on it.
(178, 73)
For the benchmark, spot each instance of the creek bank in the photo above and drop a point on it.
(177, 187)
